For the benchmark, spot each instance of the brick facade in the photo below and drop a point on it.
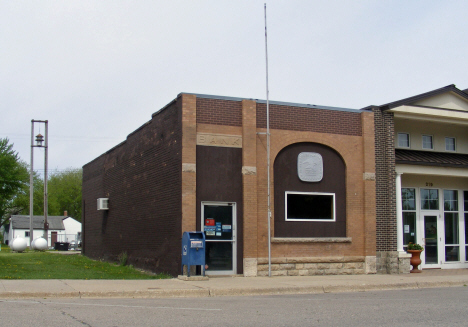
(295, 118)
(142, 178)
(157, 179)
(386, 231)
(219, 112)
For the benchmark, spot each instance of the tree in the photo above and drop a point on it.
(13, 178)
(21, 201)
(64, 190)
(64, 194)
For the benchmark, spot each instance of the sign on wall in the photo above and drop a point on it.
(222, 140)
(310, 167)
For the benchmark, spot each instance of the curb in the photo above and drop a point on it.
(215, 292)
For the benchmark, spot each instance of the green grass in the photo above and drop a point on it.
(45, 265)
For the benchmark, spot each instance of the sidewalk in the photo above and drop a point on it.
(228, 286)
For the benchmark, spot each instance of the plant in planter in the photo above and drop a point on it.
(415, 250)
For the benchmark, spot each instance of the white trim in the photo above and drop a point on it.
(399, 211)
(440, 231)
(440, 221)
(431, 114)
(308, 220)
(431, 170)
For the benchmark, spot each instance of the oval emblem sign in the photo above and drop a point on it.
(310, 167)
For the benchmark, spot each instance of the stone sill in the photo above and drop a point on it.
(311, 240)
(404, 255)
(264, 261)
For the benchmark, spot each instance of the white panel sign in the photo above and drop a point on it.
(310, 167)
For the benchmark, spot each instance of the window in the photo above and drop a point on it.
(452, 245)
(429, 199)
(408, 200)
(403, 140)
(26, 234)
(427, 142)
(465, 209)
(450, 144)
(302, 206)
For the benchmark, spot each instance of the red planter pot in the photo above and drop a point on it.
(415, 260)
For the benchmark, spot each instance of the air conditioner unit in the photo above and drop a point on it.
(103, 204)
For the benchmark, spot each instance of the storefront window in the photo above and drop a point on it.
(466, 236)
(429, 199)
(465, 198)
(409, 215)
(450, 200)
(409, 227)
(408, 199)
(452, 247)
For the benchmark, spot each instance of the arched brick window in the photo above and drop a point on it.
(309, 209)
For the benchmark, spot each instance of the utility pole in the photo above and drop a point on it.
(39, 141)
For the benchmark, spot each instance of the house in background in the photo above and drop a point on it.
(200, 163)
(61, 229)
(421, 146)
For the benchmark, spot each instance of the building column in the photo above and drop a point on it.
(370, 234)
(249, 181)
(399, 213)
(189, 162)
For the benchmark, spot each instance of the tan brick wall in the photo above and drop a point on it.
(189, 180)
(249, 177)
(357, 150)
(219, 129)
(369, 200)
(360, 206)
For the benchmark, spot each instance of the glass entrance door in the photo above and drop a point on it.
(431, 242)
(219, 225)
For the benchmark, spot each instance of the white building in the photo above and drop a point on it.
(61, 229)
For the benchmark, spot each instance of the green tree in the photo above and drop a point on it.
(21, 200)
(64, 190)
(64, 194)
(13, 179)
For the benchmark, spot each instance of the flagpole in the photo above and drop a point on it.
(268, 148)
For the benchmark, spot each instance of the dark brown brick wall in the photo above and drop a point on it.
(142, 179)
(385, 180)
(219, 112)
(219, 179)
(310, 119)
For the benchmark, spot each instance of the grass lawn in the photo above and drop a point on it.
(46, 265)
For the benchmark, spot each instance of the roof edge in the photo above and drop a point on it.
(448, 88)
(278, 103)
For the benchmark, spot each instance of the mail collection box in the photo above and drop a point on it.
(193, 251)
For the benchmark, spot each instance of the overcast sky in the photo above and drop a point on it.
(97, 70)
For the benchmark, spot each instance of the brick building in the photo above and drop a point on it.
(200, 164)
(422, 179)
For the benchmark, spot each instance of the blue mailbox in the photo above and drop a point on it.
(193, 251)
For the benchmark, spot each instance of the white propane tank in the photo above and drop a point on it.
(19, 244)
(40, 244)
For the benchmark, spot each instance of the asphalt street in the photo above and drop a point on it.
(417, 307)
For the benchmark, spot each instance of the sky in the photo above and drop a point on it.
(98, 70)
